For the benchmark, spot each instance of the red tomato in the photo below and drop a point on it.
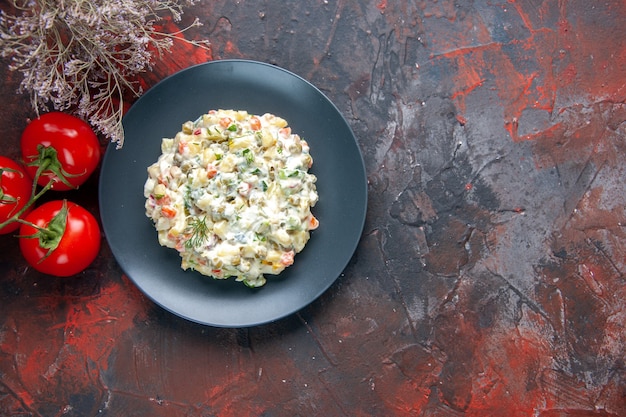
(77, 244)
(15, 189)
(76, 145)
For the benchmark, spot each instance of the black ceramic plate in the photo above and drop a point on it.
(258, 88)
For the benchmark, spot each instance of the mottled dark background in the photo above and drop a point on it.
(489, 280)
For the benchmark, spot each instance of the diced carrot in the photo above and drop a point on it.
(164, 201)
(255, 123)
(211, 171)
(285, 131)
(225, 122)
(313, 222)
(168, 212)
(181, 146)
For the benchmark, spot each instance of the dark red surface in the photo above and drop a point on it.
(489, 280)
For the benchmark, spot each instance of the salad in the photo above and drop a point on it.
(232, 193)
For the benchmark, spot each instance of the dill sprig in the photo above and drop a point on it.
(199, 233)
(82, 55)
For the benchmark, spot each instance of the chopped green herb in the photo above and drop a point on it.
(232, 128)
(284, 174)
(247, 153)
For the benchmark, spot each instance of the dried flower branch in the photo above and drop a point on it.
(82, 55)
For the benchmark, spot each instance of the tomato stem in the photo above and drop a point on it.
(34, 196)
(3, 197)
(47, 160)
(51, 235)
